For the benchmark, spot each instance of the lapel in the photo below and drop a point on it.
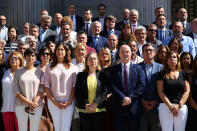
(120, 72)
(154, 69)
(47, 34)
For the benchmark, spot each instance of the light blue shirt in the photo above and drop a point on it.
(3, 33)
(148, 69)
(188, 44)
(42, 34)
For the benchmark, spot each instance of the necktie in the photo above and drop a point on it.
(72, 17)
(42, 35)
(87, 28)
(134, 27)
(125, 86)
(112, 55)
(95, 41)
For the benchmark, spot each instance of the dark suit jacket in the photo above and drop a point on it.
(97, 19)
(119, 25)
(168, 33)
(191, 35)
(136, 88)
(150, 92)
(79, 22)
(102, 42)
(82, 27)
(188, 29)
(105, 33)
(81, 90)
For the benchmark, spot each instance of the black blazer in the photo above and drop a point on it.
(97, 19)
(81, 90)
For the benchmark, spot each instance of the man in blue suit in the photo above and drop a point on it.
(149, 117)
(95, 40)
(127, 84)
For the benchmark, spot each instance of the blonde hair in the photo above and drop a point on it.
(108, 51)
(19, 56)
(86, 65)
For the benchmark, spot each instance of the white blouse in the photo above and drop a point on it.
(7, 92)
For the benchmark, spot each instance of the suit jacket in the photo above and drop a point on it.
(102, 42)
(50, 36)
(97, 19)
(79, 22)
(150, 92)
(168, 33)
(119, 25)
(188, 29)
(105, 33)
(83, 27)
(81, 90)
(136, 88)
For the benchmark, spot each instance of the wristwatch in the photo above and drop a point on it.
(180, 105)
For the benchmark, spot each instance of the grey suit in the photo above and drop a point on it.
(188, 29)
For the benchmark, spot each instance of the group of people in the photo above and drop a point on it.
(97, 74)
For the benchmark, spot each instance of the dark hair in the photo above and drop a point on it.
(101, 5)
(179, 42)
(41, 52)
(194, 67)
(158, 52)
(160, 16)
(191, 57)
(9, 28)
(88, 10)
(81, 32)
(111, 17)
(3, 57)
(67, 57)
(158, 8)
(29, 51)
(166, 70)
(148, 44)
(65, 23)
(43, 10)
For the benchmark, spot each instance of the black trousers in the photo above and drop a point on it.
(92, 121)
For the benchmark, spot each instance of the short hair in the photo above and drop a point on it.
(93, 23)
(18, 55)
(160, 16)
(149, 25)
(46, 17)
(65, 23)
(140, 28)
(134, 10)
(21, 43)
(158, 8)
(71, 4)
(28, 37)
(111, 17)
(67, 19)
(148, 44)
(101, 5)
(88, 10)
(79, 45)
(3, 15)
(27, 23)
(35, 26)
(43, 10)
(81, 32)
(29, 51)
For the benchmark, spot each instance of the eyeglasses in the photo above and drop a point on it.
(13, 58)
(44, 53)
(149, 50)
(152, 30)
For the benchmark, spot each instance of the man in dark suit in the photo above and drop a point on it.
(193, 34)
(127, 85)
(46, 34)
(110, 23)
(112, 43)
(101, 16)
(87, 20)
(133, 18)
(95, 40)
(125, 19)
(57, 26)
(182, 17)
(77, 20)
(149, 120)
(162, 32)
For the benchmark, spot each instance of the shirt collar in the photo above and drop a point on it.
(127, 64)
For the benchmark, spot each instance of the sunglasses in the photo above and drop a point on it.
(44, 53)
(152, 30)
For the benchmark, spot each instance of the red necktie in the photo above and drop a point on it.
(125, 88)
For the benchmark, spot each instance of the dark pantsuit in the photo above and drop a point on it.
(93, 121)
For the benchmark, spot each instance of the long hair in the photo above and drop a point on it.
(166, 70)
(108, 52)
(181, 58)
(86, 64)
(158, 53)
(179, 42)
(122, 37)
(67, 58)
(9, 28)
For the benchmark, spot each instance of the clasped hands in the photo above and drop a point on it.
(174, 109)
(149, 105)
(91, 107)
(62, 105)
(126, 101)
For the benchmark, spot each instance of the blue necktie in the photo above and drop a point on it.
(95, 41)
